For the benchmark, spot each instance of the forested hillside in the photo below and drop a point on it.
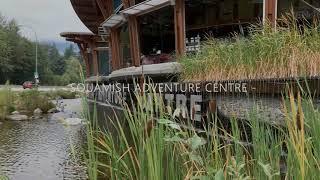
(17, 58)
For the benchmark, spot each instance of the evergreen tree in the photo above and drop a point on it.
(57, 63)
(5, 65)
(18, 57)
(69, 52)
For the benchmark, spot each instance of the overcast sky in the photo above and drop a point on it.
(48, 17)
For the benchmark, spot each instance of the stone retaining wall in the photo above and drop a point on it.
(267, 108)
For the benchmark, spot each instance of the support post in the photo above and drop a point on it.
(180, 29)
(95, 62)
(134, 40)
(133, 34)
(94, 59)
(115, 48)
(84, 55)
(270, 12)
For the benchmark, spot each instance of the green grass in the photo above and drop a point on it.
(3, 177)
(31, 100)
(6, 102)
(26, 101)
(166, 151)
(64, 94)
(265, 53)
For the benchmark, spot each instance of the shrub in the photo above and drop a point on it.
(64, 94)
(33, 99)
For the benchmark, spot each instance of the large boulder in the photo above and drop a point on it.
(15, 113)
(17, 117)
(53, 110)
(37, 112)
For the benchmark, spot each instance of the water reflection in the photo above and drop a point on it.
(41, 149)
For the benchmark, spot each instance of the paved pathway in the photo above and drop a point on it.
(41, 88)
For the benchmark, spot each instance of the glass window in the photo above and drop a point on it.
(126, 60)
(116, 4)
(220, 18)
(157, 31)
(104, 63)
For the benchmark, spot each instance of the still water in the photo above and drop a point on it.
(43, 149)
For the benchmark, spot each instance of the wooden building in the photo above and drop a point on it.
(134, 37)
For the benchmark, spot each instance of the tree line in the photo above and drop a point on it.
(17, 59)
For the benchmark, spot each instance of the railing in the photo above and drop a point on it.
(193, 44)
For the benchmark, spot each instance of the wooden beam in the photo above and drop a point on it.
(95, 62)
(180, 27)
(109, 6)
(134, 37)
(125, 3)
(82, 48)
(88, 39)
(102, 8)
(106, 7)
(133, 34)
(134, 40)
(94, 58)
(95, 7)
(115, 48)
(128, 3)
(270, 12)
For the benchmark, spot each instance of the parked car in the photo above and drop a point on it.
(28, 85)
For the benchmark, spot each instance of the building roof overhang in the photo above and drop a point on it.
(89, 13)
(114, 21)
(73, 34)
(147, 6)
(82, 37)
(144, 7)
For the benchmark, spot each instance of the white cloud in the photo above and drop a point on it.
(48, 17)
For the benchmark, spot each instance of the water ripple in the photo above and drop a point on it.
(41, 150)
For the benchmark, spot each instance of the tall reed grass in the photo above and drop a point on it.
(6, 101)
(3, 177)
(291, 50)
(146, 146)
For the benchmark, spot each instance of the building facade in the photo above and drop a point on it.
(144, 36)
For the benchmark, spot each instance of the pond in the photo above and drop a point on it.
(43, 149)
